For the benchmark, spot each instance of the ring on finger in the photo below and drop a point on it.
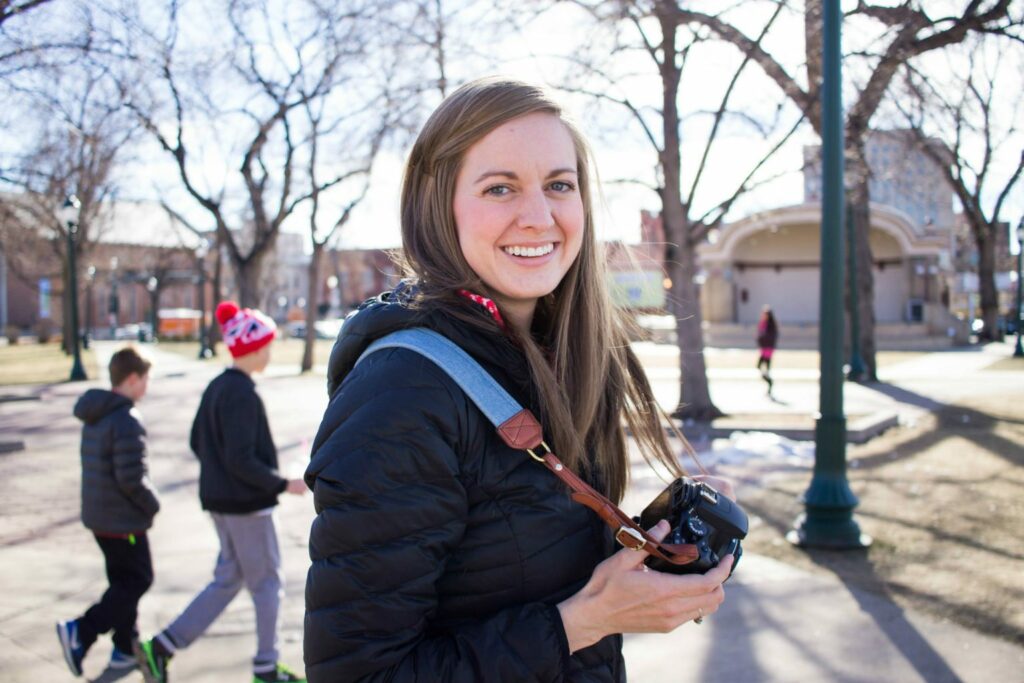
(700, 616)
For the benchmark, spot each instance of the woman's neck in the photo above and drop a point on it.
(519, 315)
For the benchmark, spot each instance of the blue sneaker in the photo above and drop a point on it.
(121, 660)
(74, 653)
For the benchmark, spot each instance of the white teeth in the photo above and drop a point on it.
(530, 251)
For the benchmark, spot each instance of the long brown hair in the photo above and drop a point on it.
(587, 378)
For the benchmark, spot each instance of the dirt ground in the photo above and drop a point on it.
(944, 503)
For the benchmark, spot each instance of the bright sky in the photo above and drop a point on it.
(621, 150)
(545, 51)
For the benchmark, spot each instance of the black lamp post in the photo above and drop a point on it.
(153, 287)
(114, 304)
(69, 214)
(828, 520)
(1018, 350)
(90, 277)
(201, 251)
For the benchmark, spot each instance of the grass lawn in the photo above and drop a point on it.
(40, 364)
(1007, 364)
(786, 359)
(288, 351)
(284, 352)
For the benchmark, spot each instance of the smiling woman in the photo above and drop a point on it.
(518, 212)
(439, 551)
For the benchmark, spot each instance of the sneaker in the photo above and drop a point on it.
(153, 661)
(74, 653)
(280, 674)
(121, 660)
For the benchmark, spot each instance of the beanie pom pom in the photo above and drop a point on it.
(226, 310)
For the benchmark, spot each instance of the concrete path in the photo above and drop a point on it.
(778, 623)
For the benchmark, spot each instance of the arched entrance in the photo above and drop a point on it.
(773, 258)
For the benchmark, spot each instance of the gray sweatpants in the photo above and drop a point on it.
(249, 555)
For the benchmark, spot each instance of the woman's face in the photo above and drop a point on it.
(519, 212)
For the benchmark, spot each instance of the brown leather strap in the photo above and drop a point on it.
(523, 431)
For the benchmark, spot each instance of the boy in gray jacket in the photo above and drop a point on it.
(118, 506)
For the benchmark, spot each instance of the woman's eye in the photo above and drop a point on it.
(497, 190)
(562, 186)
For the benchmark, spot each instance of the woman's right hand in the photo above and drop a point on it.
(624, 596)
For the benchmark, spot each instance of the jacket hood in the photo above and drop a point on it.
(395, 310)
(95, 404)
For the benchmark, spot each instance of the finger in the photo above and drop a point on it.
(660, 530)
(717, 576)
(633, 559)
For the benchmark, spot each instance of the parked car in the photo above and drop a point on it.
(322, 329)
(142, 332)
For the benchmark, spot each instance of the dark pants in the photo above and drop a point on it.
(130, 574)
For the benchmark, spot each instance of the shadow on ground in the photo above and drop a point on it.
(943, 500)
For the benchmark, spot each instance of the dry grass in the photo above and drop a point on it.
(944, 502)
(39, 364)
(286, 351)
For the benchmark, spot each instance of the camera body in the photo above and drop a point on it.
(701, 516)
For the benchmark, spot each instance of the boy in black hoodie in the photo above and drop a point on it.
(239, 484)
(118, 506)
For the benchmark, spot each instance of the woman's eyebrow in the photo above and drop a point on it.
(512, 176)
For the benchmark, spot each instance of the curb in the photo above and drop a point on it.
(859, 429)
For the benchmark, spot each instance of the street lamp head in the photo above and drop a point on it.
(69, 210)
(151, 284)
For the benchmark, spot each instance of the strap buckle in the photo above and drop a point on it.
(536, 457)
(631, 538)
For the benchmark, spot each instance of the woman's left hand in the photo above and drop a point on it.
(717, 483)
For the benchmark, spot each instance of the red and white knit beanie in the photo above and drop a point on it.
(244, 329)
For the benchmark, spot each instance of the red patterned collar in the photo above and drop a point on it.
(491, 307)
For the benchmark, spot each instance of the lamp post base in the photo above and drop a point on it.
(843, 536)
(77, 371)
(828, 521)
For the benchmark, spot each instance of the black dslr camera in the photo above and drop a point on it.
(699, 515)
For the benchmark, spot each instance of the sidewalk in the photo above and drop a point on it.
(778, 623)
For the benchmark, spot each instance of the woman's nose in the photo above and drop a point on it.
(535, 210)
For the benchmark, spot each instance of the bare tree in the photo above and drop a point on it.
(968, 125)
(690, 207)
(42, 35)
(360, 169)
(71, 144)
(247, 106)
(889, 37)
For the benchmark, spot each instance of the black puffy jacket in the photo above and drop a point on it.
(117, 495)
(438, 552)
(231, 437)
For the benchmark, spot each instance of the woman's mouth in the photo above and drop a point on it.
(529, 252)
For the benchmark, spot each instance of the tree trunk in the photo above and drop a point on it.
(694, 390)
(213, 335)
(680, 259)
(859, 196)
(984, 238)
(248, 273)
(312, 301)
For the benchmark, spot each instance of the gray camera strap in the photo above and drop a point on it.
(518, 428)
